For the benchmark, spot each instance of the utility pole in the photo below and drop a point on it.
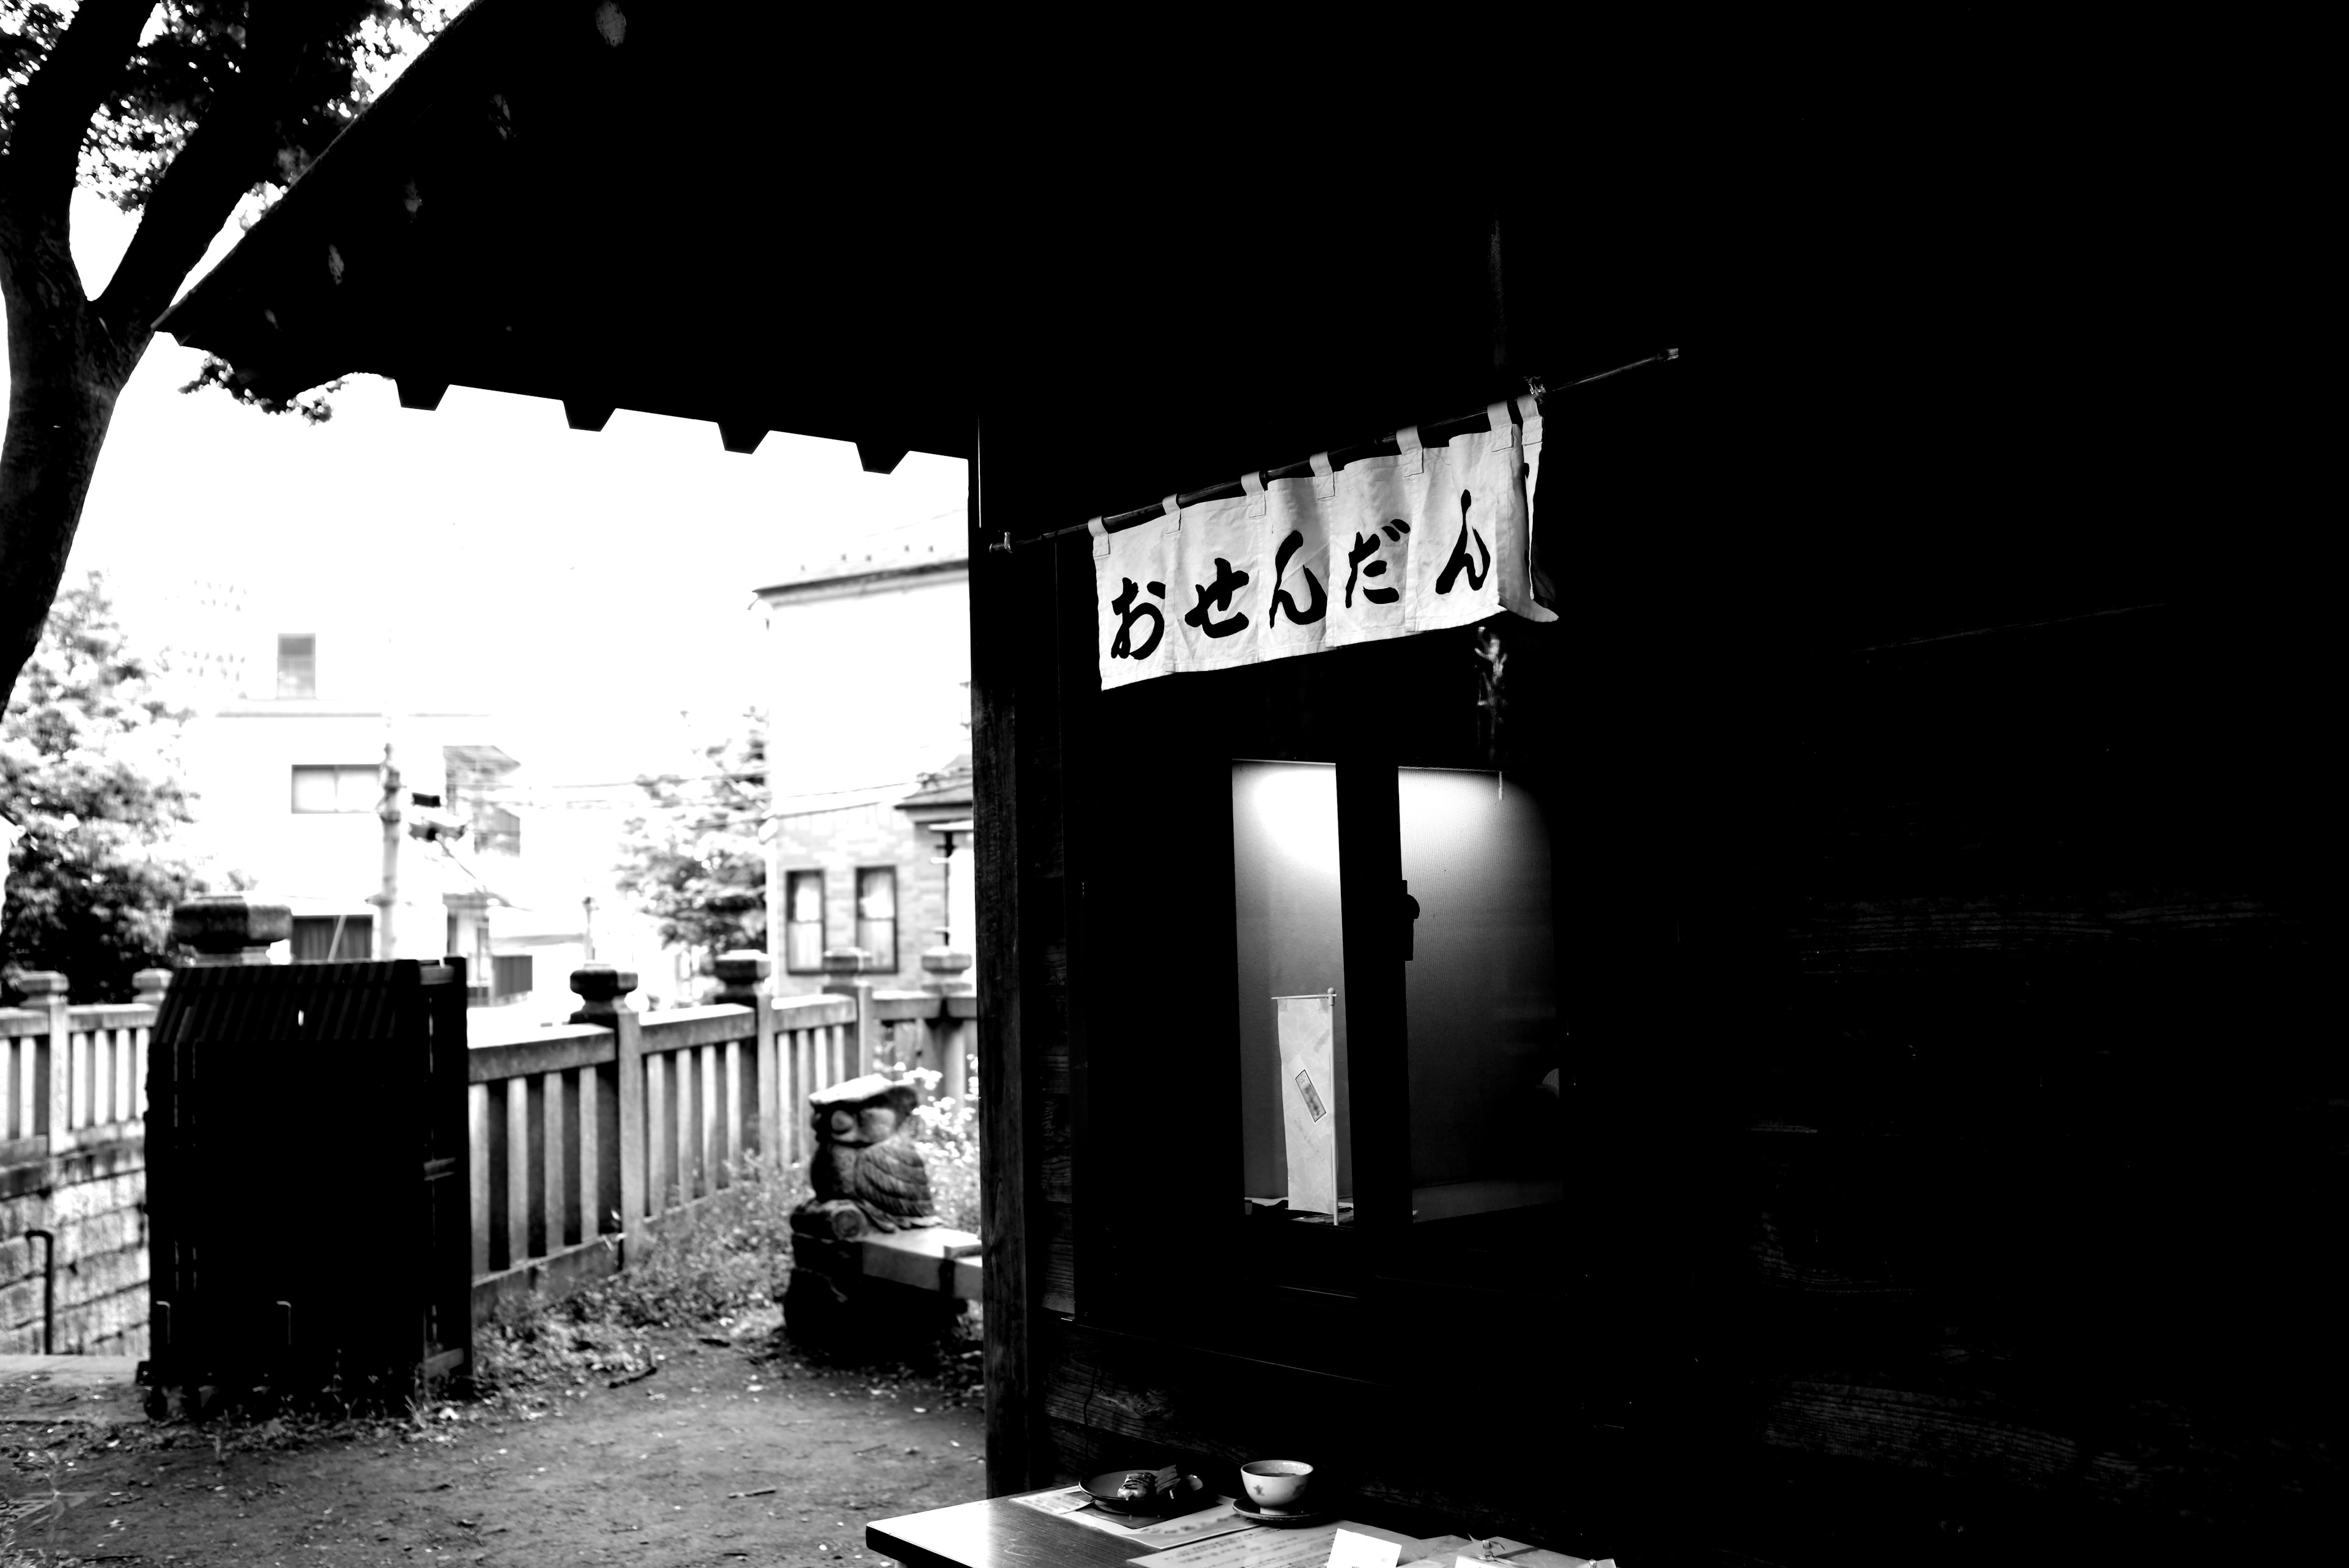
(588, 928)
(385, 900)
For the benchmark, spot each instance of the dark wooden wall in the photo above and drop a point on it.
(1955, 1152)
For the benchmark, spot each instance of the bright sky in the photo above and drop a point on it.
(586, 587)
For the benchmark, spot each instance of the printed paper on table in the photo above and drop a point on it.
(1307, 1547)
(1075, 1504)
(1460, 1552)
(1305, 1026)
(1384, 547)
(1350, 1549)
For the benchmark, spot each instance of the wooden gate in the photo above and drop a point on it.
(306, 1178)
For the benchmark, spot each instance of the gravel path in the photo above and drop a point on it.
(724, 1455)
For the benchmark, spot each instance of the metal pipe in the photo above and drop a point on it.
(48, 1289)
(1433, 434)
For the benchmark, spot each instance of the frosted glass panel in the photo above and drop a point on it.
(1285, 875)
(1483, 995)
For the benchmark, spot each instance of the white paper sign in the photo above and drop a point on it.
(1348, 1550)
(1387, 547)
(1305, 1026)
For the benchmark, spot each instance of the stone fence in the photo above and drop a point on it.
(73, 1169)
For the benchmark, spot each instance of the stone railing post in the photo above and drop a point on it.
(602, 992)
(47, 989)
(147, 986)
(229, 927)
(738, 974)
(741, 977)
(844, 976)
(946, 972)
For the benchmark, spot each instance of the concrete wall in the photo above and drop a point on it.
(94, 1200)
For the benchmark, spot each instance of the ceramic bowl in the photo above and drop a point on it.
(1276, 1484)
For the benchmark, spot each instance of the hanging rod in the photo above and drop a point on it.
(1434, 435)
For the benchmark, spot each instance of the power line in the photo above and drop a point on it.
(751, 777)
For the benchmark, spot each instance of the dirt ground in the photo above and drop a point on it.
(725, 1453)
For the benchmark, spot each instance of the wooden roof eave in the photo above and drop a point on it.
(354, 272)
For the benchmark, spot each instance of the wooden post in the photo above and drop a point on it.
(476, 1133)
(555, 1163)
(517, 1214)
(769, 1082)
(591, 1152)
(741, 976)
(603, 991)
(708, 1094)
(148, 987)
(1003, 600)
(844, 976)
(53, 1087)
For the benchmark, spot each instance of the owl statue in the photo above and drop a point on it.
(864, 1152)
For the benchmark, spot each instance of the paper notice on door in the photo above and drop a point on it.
(1308, 1087)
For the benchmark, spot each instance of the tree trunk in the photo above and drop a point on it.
(64, 378)
(68, 356)
(66, 362)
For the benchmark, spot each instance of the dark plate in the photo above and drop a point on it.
(1281, 1518)
(1185, 1496)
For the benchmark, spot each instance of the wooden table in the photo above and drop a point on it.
(995, 1532)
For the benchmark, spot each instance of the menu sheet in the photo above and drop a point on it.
(1075, 1504)
(1264, 1547)
(1452, 1550)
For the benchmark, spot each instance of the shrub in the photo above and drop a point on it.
(946, 1132)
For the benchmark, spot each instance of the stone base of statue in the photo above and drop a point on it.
(832, 1309)
(830, 1219)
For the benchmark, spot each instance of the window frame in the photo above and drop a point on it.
(896, 918)
(357, 936)
(307, 662)
(823, 918)
(339, 772)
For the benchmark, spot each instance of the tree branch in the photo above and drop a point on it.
(55, 109)
(222, 159)
(219, 163)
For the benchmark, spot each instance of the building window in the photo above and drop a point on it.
(804, 922)
(509, 975)
(496, 830)
(877, 915)
(337, 786)
(297, 664)
(333, 939)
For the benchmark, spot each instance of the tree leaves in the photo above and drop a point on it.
(696, 860)
(87, 774)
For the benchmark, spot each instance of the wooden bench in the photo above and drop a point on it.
(934, 1259)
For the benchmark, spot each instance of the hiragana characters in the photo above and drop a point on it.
(1460, 560)
(1365, 547)
(1281, 600)
(1218, 594)
(1128, 612)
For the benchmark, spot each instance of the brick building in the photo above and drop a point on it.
(872, 658)
(878, 876)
